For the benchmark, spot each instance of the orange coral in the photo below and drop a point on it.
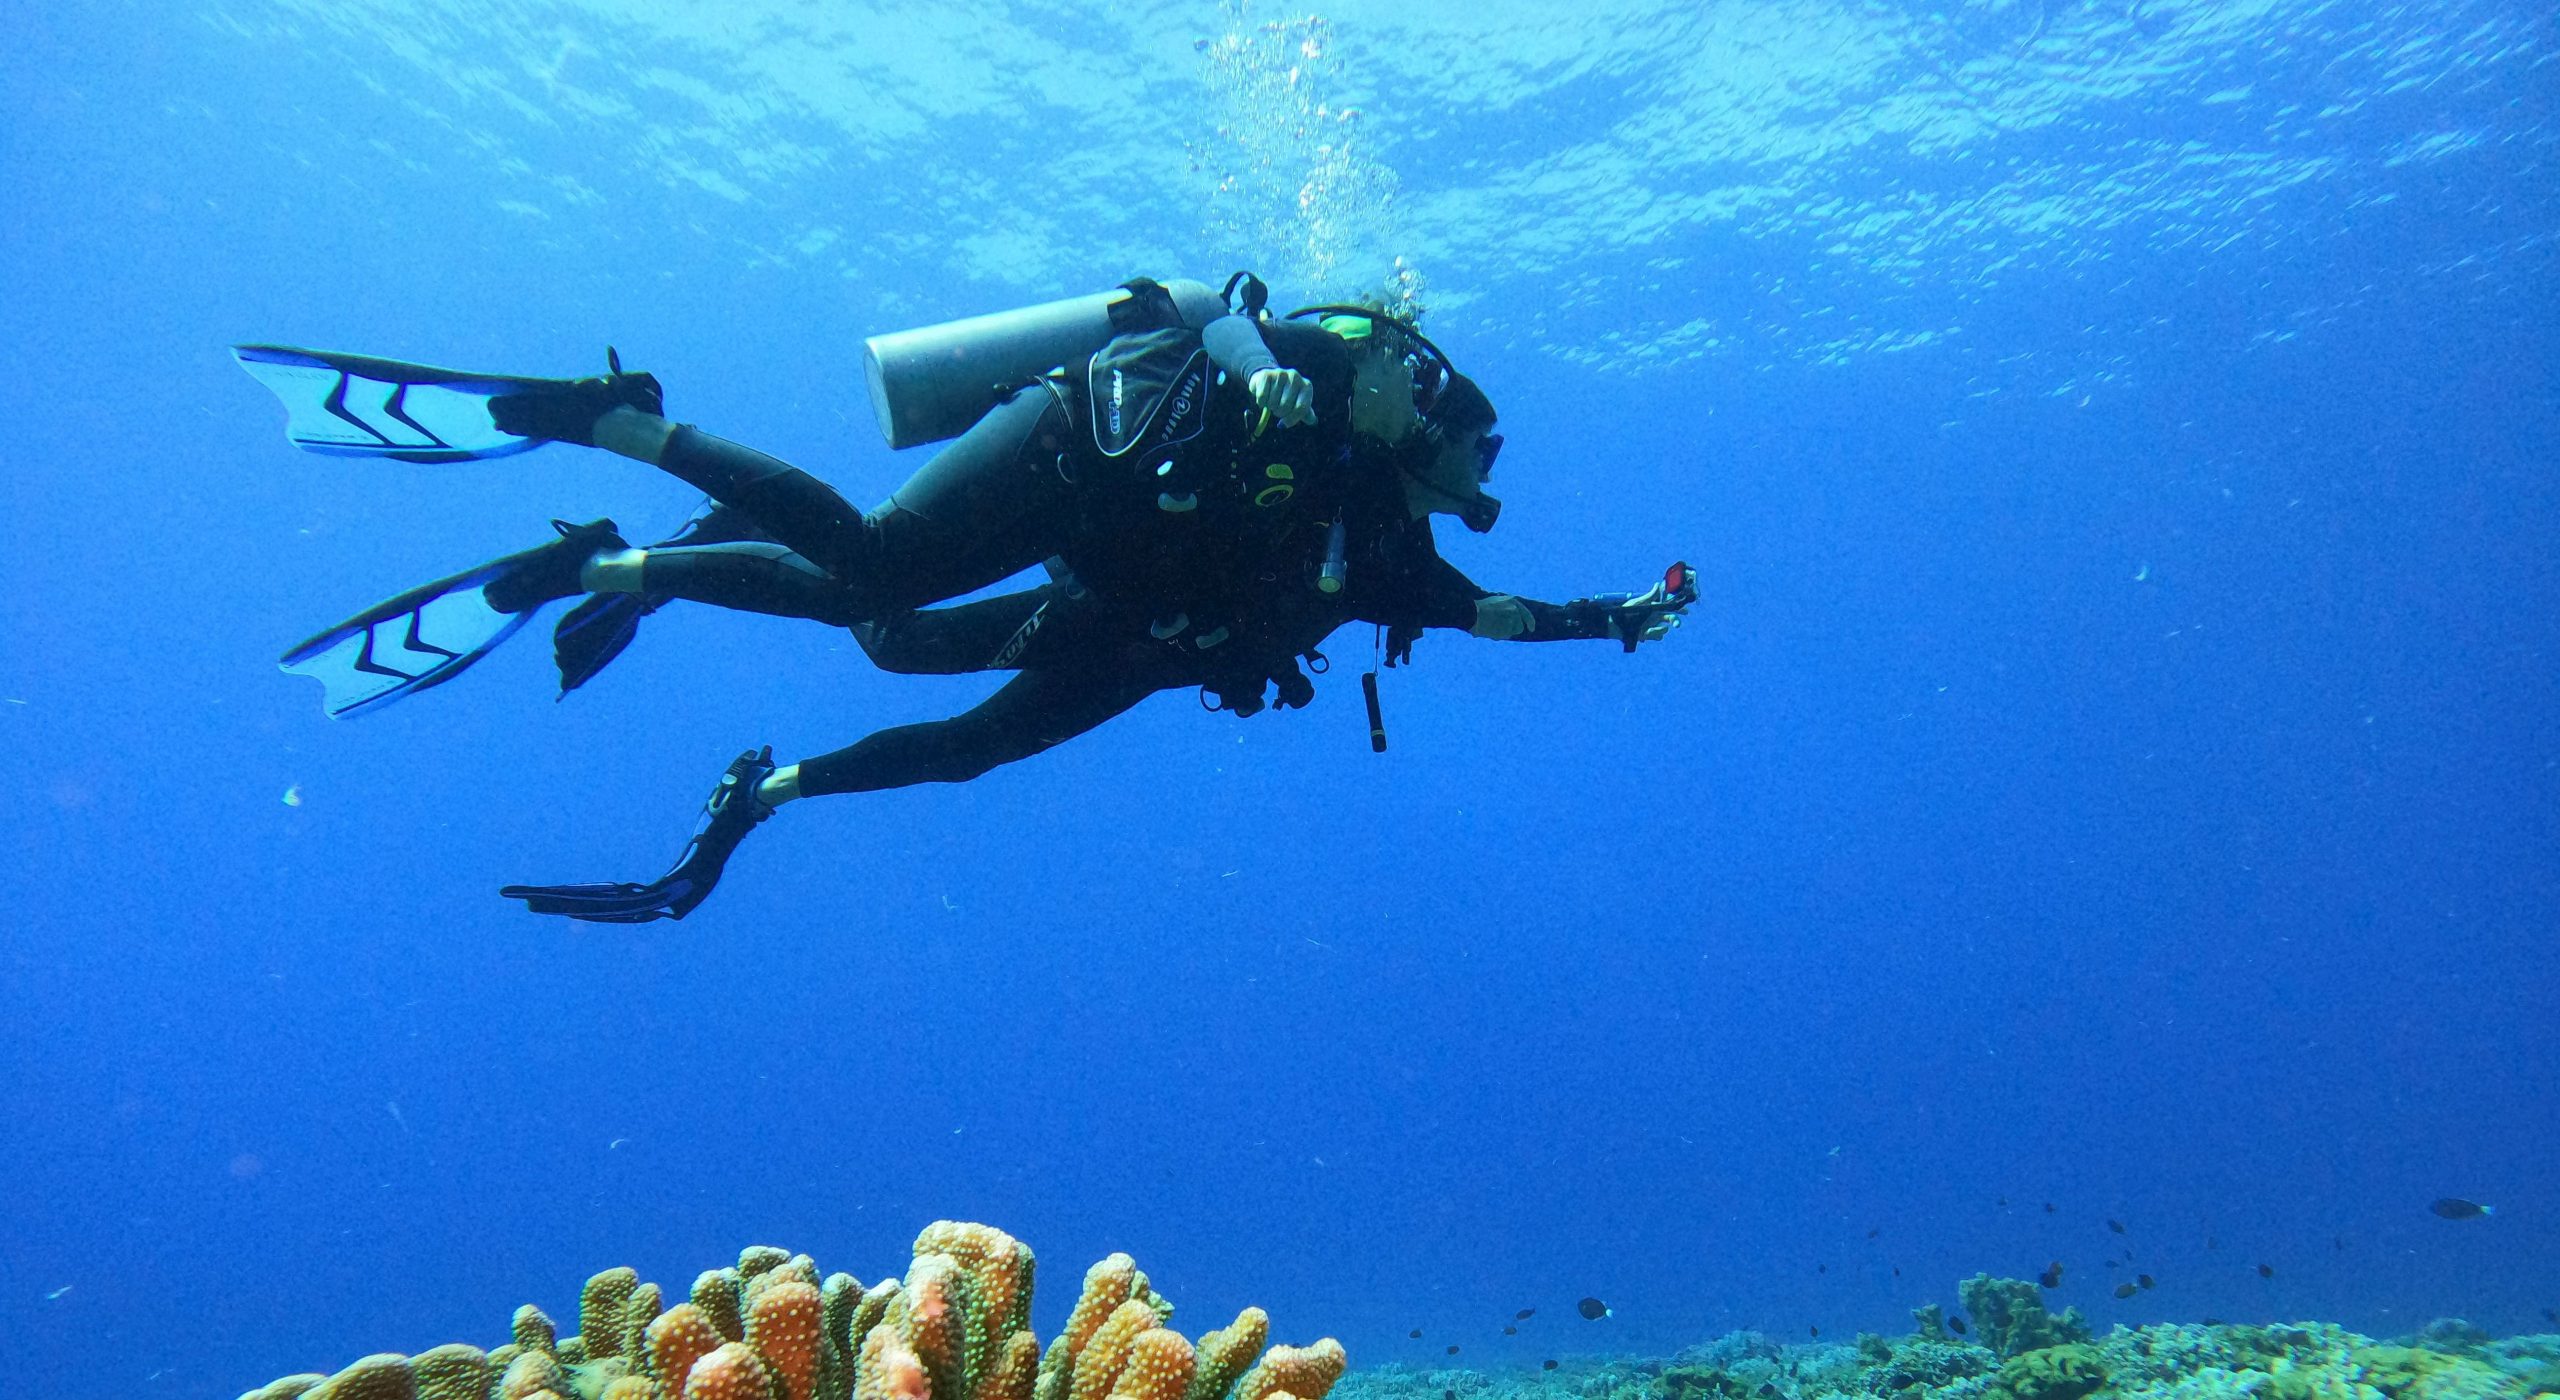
(732, 1371)
(1016, 1369)
(782, 1326)
(532, 1371)
(1106, 1286)
(1226, 1354)
(1305, 1373)
(933, 1318)
(678, 1338)
(999, 1269)
(382, 1376)
(716, 1291)
(1159, 1368)
(1098, 1364)
(889, 1370)
(956, 1328)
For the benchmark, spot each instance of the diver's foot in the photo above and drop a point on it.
(549, 572)
(732, 810)
(567, 410)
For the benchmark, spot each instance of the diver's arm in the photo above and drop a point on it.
(1280, 363)
(1625, 618)
(1507, 617)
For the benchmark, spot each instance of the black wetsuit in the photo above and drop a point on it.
(1184, 567)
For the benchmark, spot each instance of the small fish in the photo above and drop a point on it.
(2052, 1275)
(1511, 1329)
(2116, 1225)
(2456, 1208)
(1416, 1334)
(2266, 1271)
(1872, 1233)
(1547, 1365)
(1453, 1348)
(1525, 1314)
(1592, 1309)
(2002, 1201)
(1897, 1273)
(2126, 1290)
(1822, 1268)
(57, 1293)
(2048, 1207)
(2143, 1279)
(1814, 1330)
(1957, 1324)
(293, 795)
(2143, 574)
(2338, 1243)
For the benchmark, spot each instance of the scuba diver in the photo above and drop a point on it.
(1213, 491)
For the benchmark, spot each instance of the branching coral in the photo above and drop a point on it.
(956, 1327)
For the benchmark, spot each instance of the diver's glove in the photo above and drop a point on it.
(732, 811)
(1648, 616)
(566, 410)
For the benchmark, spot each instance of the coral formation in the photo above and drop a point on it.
(956, 1327)
(2011, 1317)
(2306, 1361)
(782, 1326)
(732, 1371)
(1225, 1354)
(2070, 1371)
(600, 1311)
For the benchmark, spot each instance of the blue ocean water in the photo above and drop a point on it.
(2111, 774)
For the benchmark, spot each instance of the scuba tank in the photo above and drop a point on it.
(933, 382)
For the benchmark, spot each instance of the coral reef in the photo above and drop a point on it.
(2010, 1315)
(2448, 1360)
(956, 1327)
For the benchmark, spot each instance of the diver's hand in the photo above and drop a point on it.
(1632, 625)
(1649, 616)
(1285, 394)
(1502, 617)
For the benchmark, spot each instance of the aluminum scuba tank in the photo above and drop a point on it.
(932, 382)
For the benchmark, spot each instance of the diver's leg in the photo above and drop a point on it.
(1002, 633)
(1030, 629)
(1032, 713)
(986, 506)
(757, 576)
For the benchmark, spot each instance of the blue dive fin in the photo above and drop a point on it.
(359, 406)
(414, 642)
